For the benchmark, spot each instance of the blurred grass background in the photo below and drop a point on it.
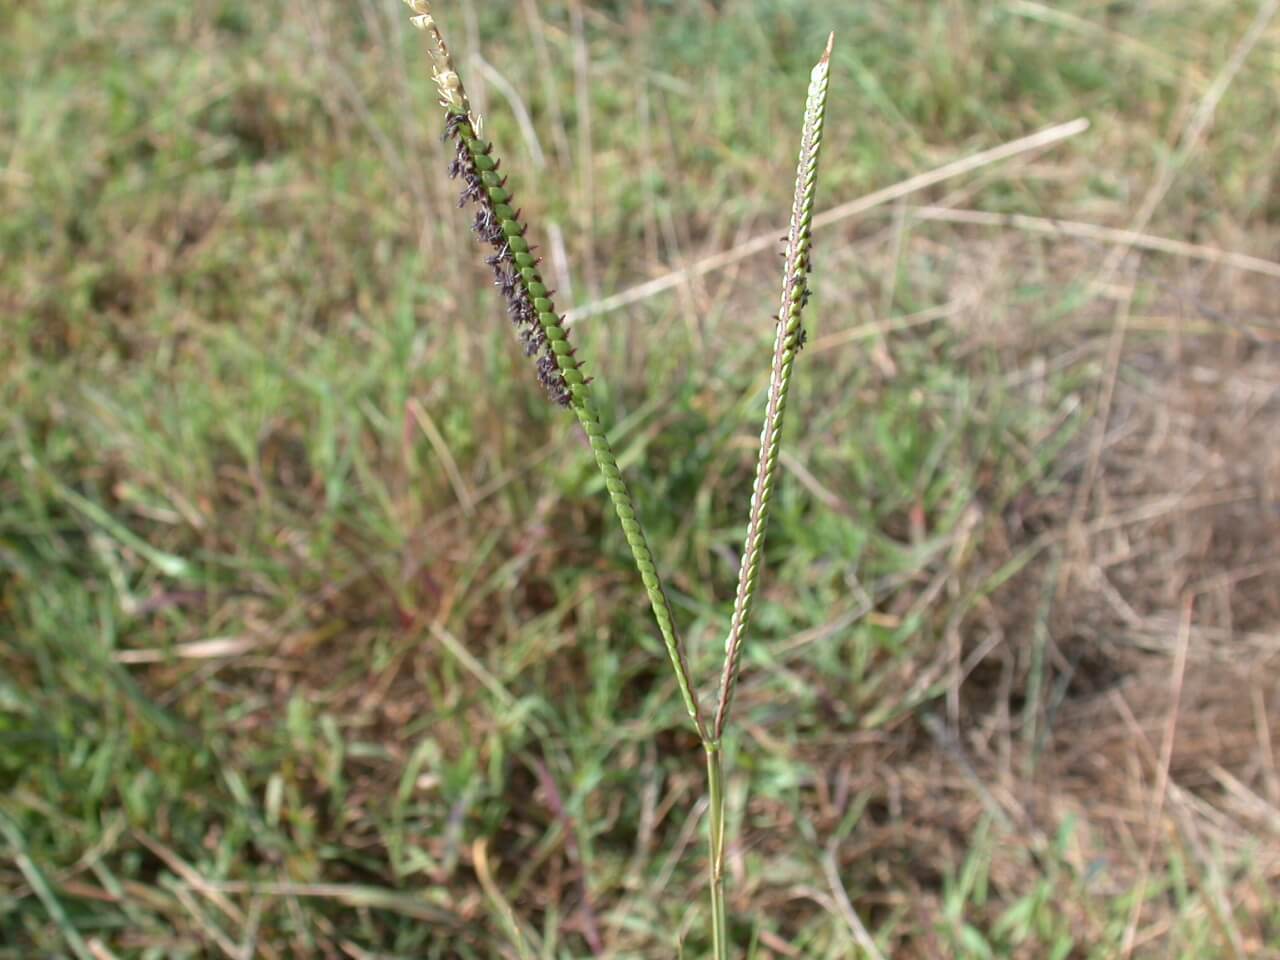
(312, 617)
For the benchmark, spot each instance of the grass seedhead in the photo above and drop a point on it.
(541, 328)
(542, 331)
(788, 341)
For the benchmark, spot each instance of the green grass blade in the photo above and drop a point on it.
(44, 892)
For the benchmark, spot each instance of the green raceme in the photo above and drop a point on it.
(787, 343)
(541, 328)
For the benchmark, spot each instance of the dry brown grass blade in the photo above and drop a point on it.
(1177, 677)
(766, 241)
(844, 906)
(1124, 239)
(480, 860)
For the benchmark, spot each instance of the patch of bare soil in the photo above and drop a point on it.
(1152, 615)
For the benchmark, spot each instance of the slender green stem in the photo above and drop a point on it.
(585, 409)
(715, 850)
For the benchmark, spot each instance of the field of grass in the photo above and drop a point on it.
(317, 637)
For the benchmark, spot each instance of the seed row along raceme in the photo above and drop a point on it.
(788, 342)
(515, 267)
